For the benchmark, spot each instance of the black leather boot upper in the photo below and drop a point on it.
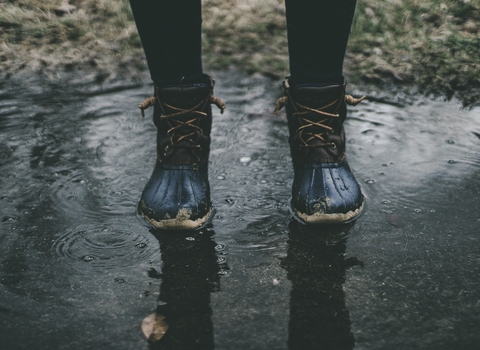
(177, 196)
(324, 188)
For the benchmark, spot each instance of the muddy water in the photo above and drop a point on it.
(79, 269)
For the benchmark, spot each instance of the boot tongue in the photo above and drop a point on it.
(180, 98)
(325, 99)
(184, 96)
(316, 96)
(319, 97)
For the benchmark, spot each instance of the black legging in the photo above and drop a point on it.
(318, 33)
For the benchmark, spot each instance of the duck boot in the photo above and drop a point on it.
(177, 196)
(324, 189)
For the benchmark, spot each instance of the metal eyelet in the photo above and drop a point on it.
(168, 150)
(333, 146)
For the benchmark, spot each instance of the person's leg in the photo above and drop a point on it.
(177, 196)
(170, 31)
(324, 189)
(318, 32)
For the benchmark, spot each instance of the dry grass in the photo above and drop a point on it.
(51, 37)
(250, 34)
(432, 44)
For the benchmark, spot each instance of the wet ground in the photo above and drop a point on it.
(79, 269)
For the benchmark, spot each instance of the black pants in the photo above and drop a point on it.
(318, 33)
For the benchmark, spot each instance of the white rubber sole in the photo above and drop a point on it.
(181, 222)
(321, 218)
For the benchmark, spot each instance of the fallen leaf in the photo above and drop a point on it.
(154, 327)
(394, 219)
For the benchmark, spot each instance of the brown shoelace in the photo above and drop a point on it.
(302, 113)
(175, 124)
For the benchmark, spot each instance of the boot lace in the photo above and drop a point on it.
(176, 125)
(303, 113)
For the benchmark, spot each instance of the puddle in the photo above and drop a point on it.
(79, 270)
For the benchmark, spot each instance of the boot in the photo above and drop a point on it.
(177, 196)
(324, 189)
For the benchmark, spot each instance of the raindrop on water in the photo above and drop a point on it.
(369, 181)
(88, 258)
(140, 245)
(451, 161)
(245, 159)
(191, 239)
(386, 201)
(220, 177)
(223, 272)
(9, 219)
(451, 142)
(417, 210)
(219, 247)
(119, 280)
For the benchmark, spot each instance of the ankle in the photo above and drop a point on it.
(190, 80)
(321, 81)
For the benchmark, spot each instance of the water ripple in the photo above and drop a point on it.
(104, 248)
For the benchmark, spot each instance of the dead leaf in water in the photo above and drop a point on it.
(394, 219)
(154, 327)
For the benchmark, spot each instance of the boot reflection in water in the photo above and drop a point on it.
(316, 266)
(191, 271)
(177, 196)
